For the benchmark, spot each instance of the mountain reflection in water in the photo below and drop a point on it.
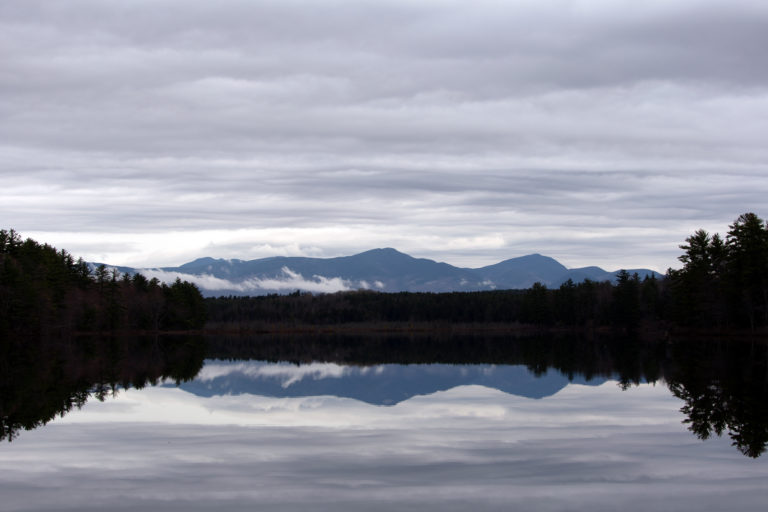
(384, 385)
(723, 385)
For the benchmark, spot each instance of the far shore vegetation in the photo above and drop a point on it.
(722, 287)
(46, 292)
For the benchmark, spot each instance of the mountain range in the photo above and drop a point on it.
(386, 270)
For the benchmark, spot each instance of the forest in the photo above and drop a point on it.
(46, 292)
(722, 284)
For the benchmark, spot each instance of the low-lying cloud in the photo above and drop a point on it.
(288, 281)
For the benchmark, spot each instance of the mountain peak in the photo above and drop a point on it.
(202, 261)
(534, 260)
(524, 271)
(535, 257)
(383, 252)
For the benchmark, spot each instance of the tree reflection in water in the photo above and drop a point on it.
(725, 388)
(723, 384)
(44, 378)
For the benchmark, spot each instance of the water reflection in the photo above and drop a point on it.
(585, 448)
(723, 386)
(384, 384)
(41, 379)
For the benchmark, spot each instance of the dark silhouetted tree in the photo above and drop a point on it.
(747, 267)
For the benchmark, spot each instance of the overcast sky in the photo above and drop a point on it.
(152, 132)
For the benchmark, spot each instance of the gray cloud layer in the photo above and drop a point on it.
(149, 133)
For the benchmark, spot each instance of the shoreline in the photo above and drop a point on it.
(643, 332)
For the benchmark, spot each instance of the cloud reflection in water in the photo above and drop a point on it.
(586, 447)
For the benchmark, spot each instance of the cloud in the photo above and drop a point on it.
(600, 133)
(289, 281)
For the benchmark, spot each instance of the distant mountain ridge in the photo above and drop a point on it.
(384, 269)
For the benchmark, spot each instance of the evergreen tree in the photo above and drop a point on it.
(45, 292)
(747, 267)
(626, 300)
(697, 286)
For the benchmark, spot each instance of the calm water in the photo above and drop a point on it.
(326, 434)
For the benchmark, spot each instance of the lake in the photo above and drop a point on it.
(383, 423)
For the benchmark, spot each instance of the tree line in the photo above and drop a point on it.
(45, 291)
(724, 280)
(723, 283)
(588, 303)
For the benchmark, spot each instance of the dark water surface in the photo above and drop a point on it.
(383, 423)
